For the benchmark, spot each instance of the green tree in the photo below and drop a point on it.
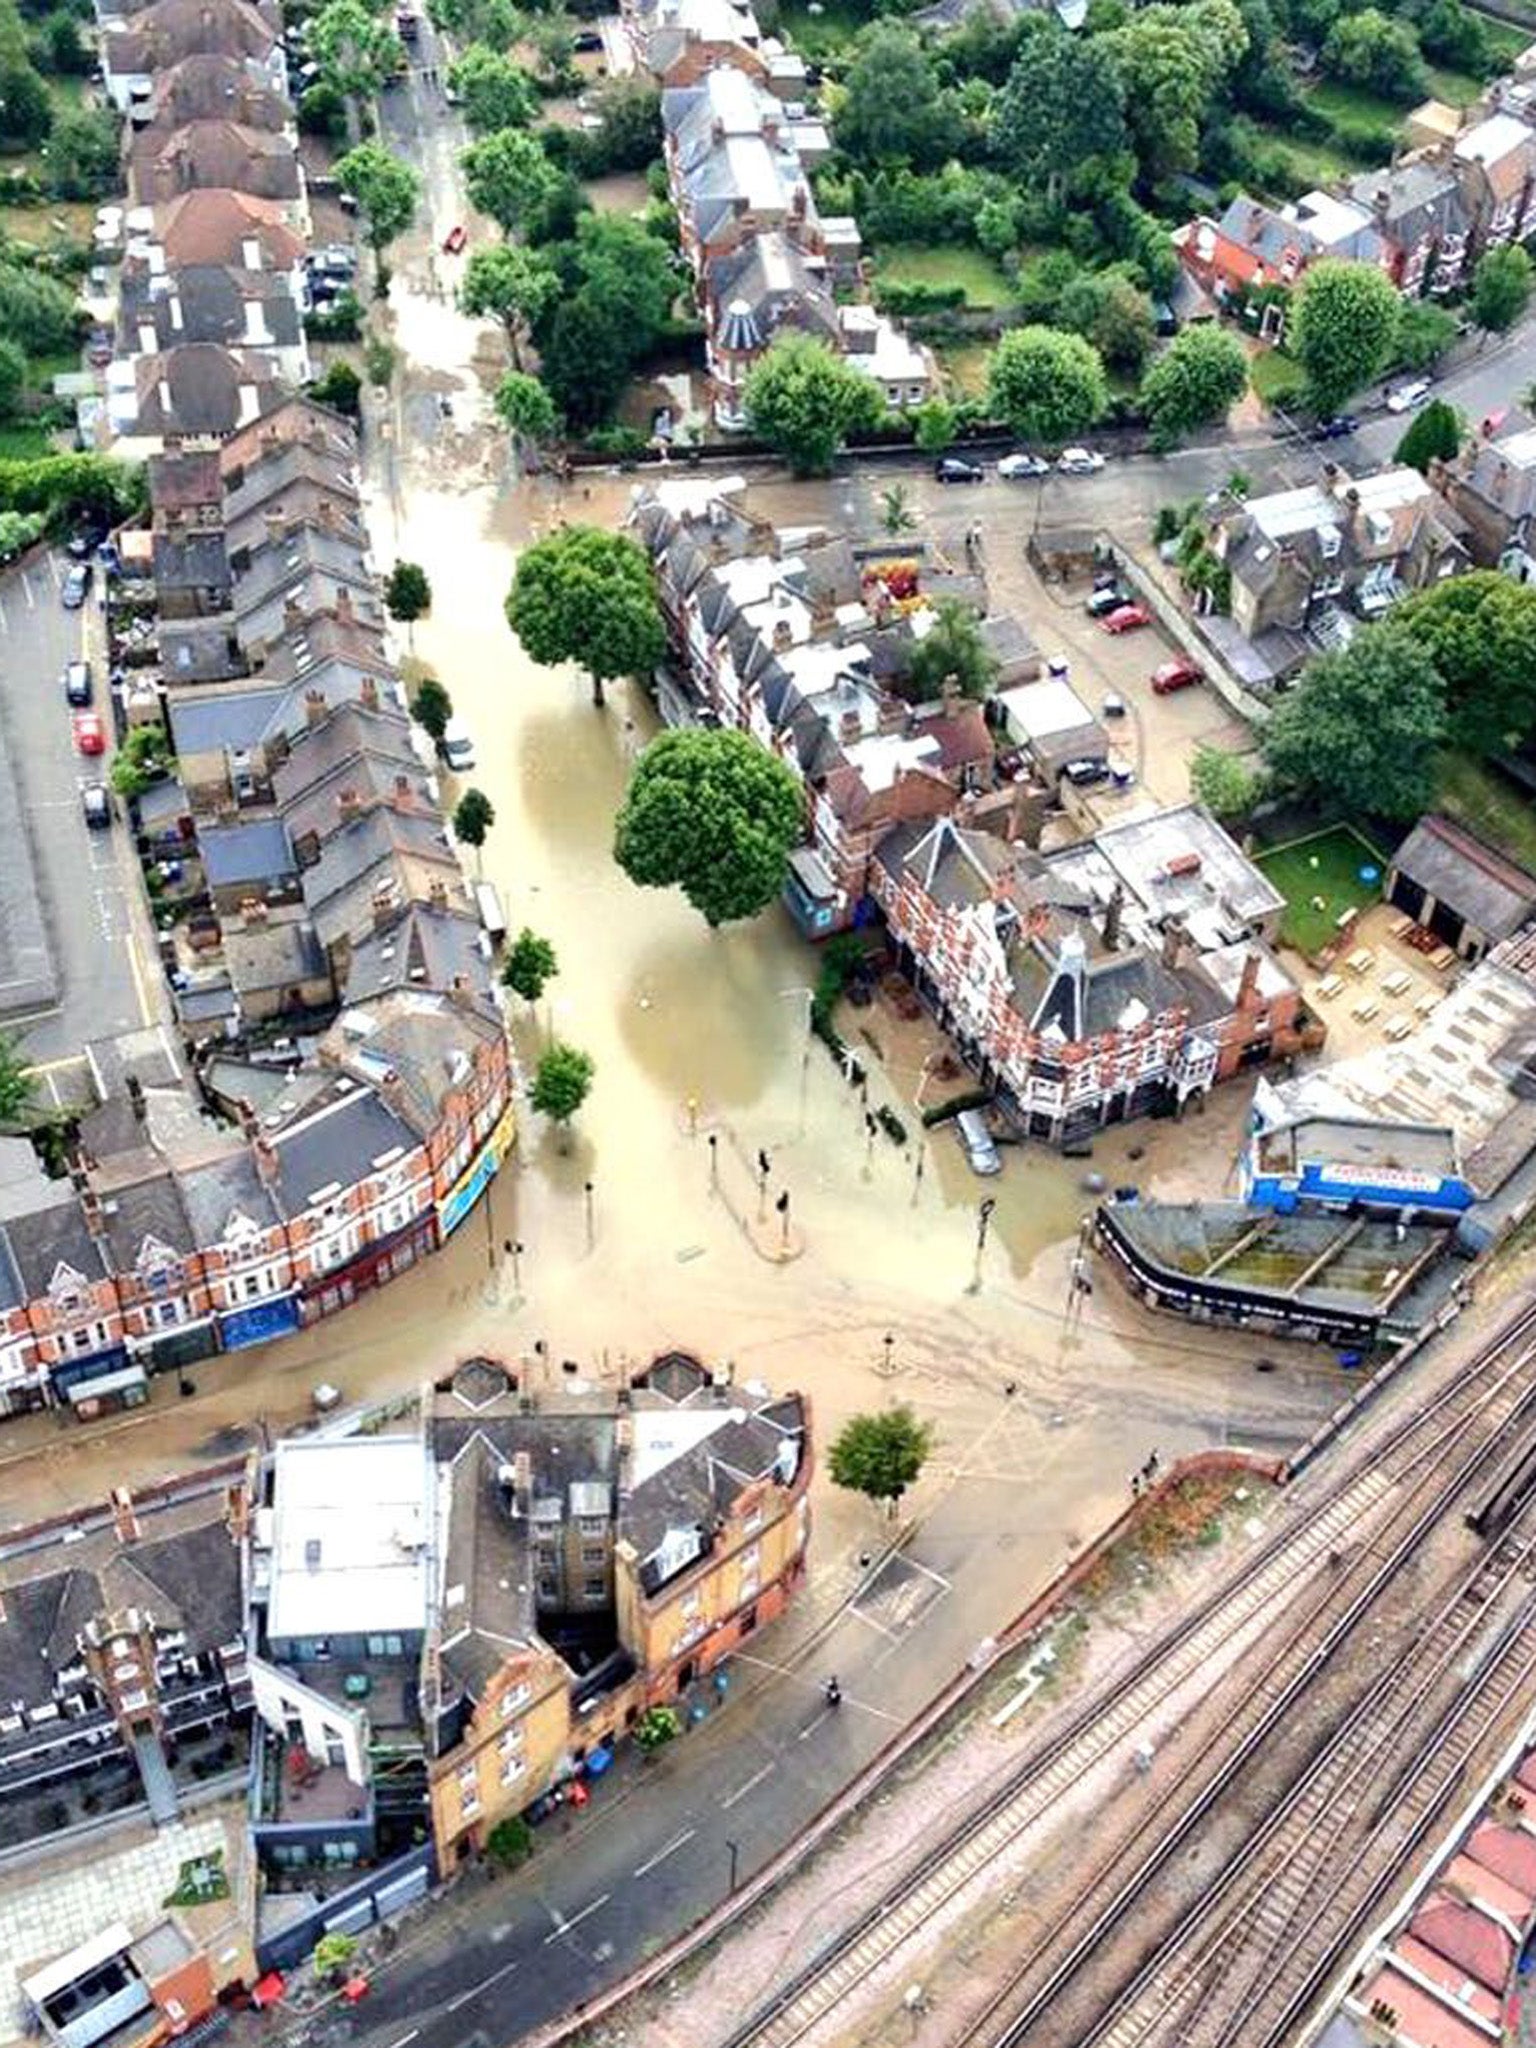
(473, 817)
(530, 966)
(496, 92)
(514, 285)
(1453, 35)
(1501, 287)
(384, 187)
(951, 651)
(896, 510)
(357, 54)
(588, 596)
(36, 311)
(1061, 110)
(18, 530)
(1360, 730)
(526, 408)
(432, 707)
(629, 137)
(18, 1089)
(1480, 632)
(1434, 432)
(656, 1727)
(881, 1455)
(81, 154)
(510, 1842)
(26, 111)
(509, 176)
(13, 377)
(891, 108)
(561, 1083)
(621, 284)
(332, 1954)
(323, 111)
(1226, 784)
(804, 400)
(1046, 385)
(1197, 379)
(933, 426)
(340, 387)
(1342, 327)
(408, 594)
(1173, 60)
(1379, 55)
(62, 48)
(1106, 308)
(715, 814)
(143, 758)
(1424, 332)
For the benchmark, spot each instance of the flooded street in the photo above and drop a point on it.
(627, 1240)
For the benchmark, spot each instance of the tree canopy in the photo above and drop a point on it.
(1197, 379)
(562, 1082)
(531, 964)
(1501, 287)
(497, 93)
(1424, 332)
(1342, 326)
(526, 408)
(620, 284)
(356, 53)
(1360, 730)
(432, 707)
(1047, 385)
(13, 376)
(18, 1088)
(26, 110)
(1434, 432)
(82, 153)
(36, 311)
(511, 284)
(473, 817)
(1172, 61)
(1062, 107)
(384, 187)
(715, 814)
(408, 594)
(1226, 784)
(891, 108)
(951, 651)
(880, 1455)
(1382, 56)
(588, 596)
(804, 400)
(1479, 630)
(1107, 308)
(509, 176)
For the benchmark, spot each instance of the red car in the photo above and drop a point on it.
(1175, 675)
(454, 240)
(90, 734)
(1126, 618)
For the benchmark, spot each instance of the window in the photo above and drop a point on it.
(167, 1312)
(512, 1770)
(594, 1553)
(510, 1742)
(594, 1589)
(748, 1621)
(547, 1589)
(514, 1697)
(385, 1646)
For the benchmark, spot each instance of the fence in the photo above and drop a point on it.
(374, 1897)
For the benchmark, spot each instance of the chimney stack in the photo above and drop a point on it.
(125, 1518)
(249, 1128)
(1113, 911)
(314, 707)
(136, 1100)
(264, 1157)
(348, 803)
(1173, 943)
(368, 694)
(437, 893)
(1247, 987)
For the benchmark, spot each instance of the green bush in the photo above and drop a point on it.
(895, 296)
(620, 444)
(656, 1727)
(510, 1842)
(341, 321)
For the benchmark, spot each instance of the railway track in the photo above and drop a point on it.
(1494, 1392)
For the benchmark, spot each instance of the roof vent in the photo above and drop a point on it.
(311, 1553)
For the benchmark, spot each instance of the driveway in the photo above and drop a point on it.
(84, 883)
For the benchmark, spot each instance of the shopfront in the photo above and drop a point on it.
(375, 1266)
(478, 1175)
(108, 1392)
(259, 1323)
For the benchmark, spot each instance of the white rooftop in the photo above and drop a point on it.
(1332, 220)
(1041, 710)
(1492, 139)
(1519, 450)
(350, 1551)
(883, 757)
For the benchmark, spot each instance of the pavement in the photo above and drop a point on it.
(84, 889)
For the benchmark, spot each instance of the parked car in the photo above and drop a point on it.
(1109, 597)
(1404, 397)
(954, 469)
(456, 747)
(84, 541)
(980, 1150)
(98, 348)
(1083, 774)
(1113, 706)
(1175, 675)
(77, 683)
(1013, 467)
(96, 802)
(1126, 619)
(1080, 462)
(90, 733)
(455, 239)
(585, 40)
(1335, 429)
(77, 581)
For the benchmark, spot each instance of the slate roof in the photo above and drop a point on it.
(691, 1489)
(767, 284)
(49, 1234)
(217, 1189)
(487, 1567)
(207, 302)
(426, 948)
(1412, 200)
(183, 480)
(423, 1040)
(295, 419)
(220, 154)
(207, 86)
(371, 854)
(214, 226)
(162, 34)
(336, 1143)
(149, 1208)
(280, 954)
(256, 850)
(201, 388)
(1474, 882)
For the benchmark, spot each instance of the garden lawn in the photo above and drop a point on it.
(1478, 797)
(1456, 88)
(1342, 102)
(1339, 854)
(22, 442)
(944, 265)
(1311, 163)
(827, 33)
(1276, 377)
(965, 368)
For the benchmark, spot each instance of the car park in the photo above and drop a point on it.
(90, 733)
(1109, 597)
(1180, 674)
(77, 683)
(1126, 618)
(954, 469)
(1404, 397)
(77, 582)
(980, 1147)
(1014, 467)
(455, 239)
(1080, 462)
(1335, 429)
(96, 803)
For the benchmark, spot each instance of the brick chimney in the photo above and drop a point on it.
(315, 707)
(1248, 985)
(368, 693)
(344, 605)
(348, 803)
(437, 893)
(1113, 911)
(237, 1510)
(250, 1130)
(136, 1100)
(125, 1518)
(1173, 943)
(253, 913)
(90, 1208)
(383, 907)
(405, 795)
(265, 1159)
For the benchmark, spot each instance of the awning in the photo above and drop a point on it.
(269, 1989)
(109, 1383)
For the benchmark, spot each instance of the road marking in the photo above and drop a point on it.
(742, 1790)
(563, 1927)
(878, 1626)
(5, 624)
(475, 1989)
(404, 2038)
(661, 1855)
(26, 584)
(917, 1565)
(146, 1014)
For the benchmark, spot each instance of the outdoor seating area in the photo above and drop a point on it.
(1392, 984)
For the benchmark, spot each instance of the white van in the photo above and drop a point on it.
(488, 903)
(977, 1140)
(456, 747)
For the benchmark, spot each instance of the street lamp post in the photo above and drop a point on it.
(714, 1160)
(983, 1223)
(513, 1247)
(587, 1194)
(734, 1853)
